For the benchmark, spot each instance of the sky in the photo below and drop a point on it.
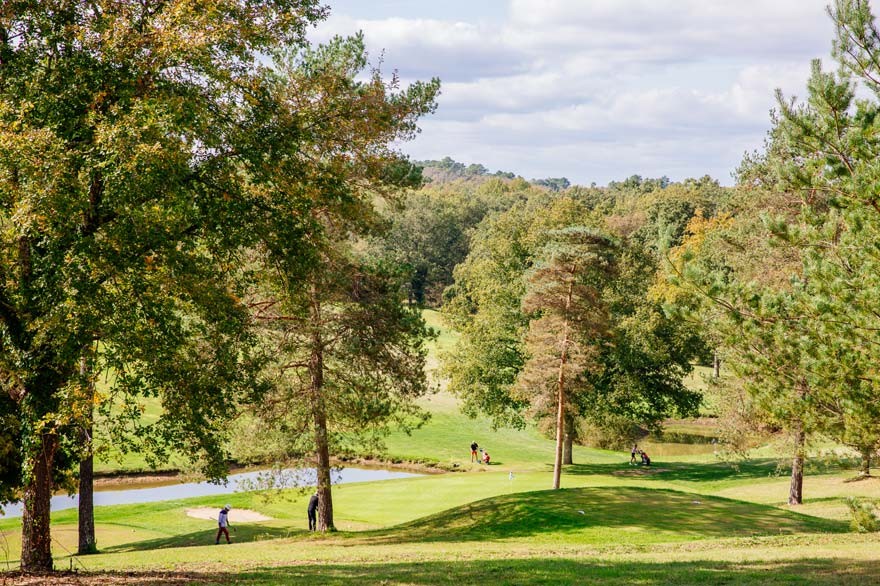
(594, 90)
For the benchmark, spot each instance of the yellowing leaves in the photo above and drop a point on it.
(699, 229)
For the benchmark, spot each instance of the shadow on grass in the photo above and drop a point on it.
(242, 534)
(593, 512)
(817, 571)
(567, 571)
(68, 578)
(689, 471)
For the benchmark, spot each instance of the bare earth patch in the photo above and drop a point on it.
(235, 515)
(639, 471)
(105, 579)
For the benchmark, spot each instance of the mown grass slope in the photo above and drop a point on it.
(689, 519)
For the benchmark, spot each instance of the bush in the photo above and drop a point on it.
(863, 515)
(614, 434)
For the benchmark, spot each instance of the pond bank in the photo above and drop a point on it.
(170, 489)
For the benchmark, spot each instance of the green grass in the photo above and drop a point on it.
(571, 571)
(690, 519)
(110, 460)
(622, 507)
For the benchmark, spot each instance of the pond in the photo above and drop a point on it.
(670, 443)
(111, 495)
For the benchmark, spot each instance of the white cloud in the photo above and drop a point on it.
(600, 89)
(429, 47)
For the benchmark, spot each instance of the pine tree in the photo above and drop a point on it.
(570, 322)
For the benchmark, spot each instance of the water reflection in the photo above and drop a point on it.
(673, 443)
(236, 483)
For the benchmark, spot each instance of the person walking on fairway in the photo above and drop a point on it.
(313, 512)
(632, 454)
(474, 447)
(223, 522)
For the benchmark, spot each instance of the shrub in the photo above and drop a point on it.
(863, 515)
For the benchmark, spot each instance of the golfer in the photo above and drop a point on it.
(223, 522)
(313, 512)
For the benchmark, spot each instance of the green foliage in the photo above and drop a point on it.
(431, 230)
(371, 345)
(485, 306)
(795, 278)
(146, 155)
(429, 236)
(448, 169)
(640, 361)
(568, 321)
(553, 183)
(863, 515)
(122, 201)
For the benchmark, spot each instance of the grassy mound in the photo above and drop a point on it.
(599, 515)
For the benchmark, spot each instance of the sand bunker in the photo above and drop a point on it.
(235, 515)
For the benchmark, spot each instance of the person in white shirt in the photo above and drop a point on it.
(223, 522)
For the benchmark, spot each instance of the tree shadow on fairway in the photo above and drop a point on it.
(142, 578)
(687, 471)
(636, 515)
(242, 534)
(567, 571)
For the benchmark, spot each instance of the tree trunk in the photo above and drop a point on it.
(796, 491)
(36, 540)
(87, 542)
(560, 394)
(866, 461)
(322, 451)
(319, 414)
(566, 448)
(716, 365)
(560, 426)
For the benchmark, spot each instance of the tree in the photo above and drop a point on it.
(553, 183)
(349, 359)
(485, 306)
(87, 540)
(569, 320)
(429, 236)
(647, 355)
(143, 147)
(351, 362)
(635, 367)
(823, 154)
(744, 285)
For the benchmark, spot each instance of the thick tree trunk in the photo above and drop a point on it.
(36, 540)
(319, 416)
(325, 497)
(566, 448)
(87, 541)
(796, 490)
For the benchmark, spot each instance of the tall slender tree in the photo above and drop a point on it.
(350, 355)
(350, 364)
(569, 323)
